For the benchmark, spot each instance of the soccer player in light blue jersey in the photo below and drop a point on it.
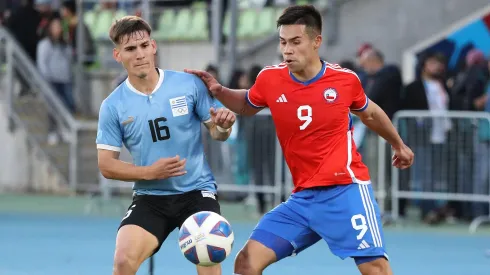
(156, 114)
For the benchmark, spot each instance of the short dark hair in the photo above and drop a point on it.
(127, 26)
(306, 15)
(71, 6)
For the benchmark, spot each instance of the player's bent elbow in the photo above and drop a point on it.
(105, 172)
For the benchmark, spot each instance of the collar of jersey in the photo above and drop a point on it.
(160, 81)
(308, 82)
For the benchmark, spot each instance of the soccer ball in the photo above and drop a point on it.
(206, 238)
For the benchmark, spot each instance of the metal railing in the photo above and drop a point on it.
(18, 61)
(452, 162)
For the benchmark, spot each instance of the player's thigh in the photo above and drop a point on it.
(143, 229)
(284, 230)
(349, 220)
(375, 266)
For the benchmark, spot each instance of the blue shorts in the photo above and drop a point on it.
(347, 217)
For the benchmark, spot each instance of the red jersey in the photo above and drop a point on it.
(313, 123)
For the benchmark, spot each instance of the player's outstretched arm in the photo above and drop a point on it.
(112, 168)
(221, 122)
(377, 120)
(235, 100)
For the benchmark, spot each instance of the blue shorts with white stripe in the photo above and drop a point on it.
(347, 217)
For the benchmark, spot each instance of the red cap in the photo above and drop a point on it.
(363, 48)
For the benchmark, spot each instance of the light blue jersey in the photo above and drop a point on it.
(163, 124)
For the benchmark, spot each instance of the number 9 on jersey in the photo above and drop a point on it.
(304, 114)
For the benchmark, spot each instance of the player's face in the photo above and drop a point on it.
(298, 46)
(137, 53)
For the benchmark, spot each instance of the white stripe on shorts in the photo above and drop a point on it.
(370, 215)
(377, 232)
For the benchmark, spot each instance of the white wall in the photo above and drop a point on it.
(14, 156)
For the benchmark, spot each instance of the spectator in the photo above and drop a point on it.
(213, 70)
(469, 85)
(482, 152)
(46, 10)
(239, 80)
(430, 142)
(23, 24)
(360, 73)
(69, 13)
(383, 83)
(54, 63)
(348, 64)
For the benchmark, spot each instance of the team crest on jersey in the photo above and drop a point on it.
(179, 106)
(330, 95)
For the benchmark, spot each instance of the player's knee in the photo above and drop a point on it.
(124, 263)
(379, 266)
(243, 263)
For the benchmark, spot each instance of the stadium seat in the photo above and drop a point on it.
(120, 14)
(180, 29)
(90, 19)
(227, 23)
(302, 2)
(165, 25)
(103, 23)
(247, 24)
(279, 12)
(199, 24)
(266, 21)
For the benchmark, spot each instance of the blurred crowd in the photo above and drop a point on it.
(47, 30)
(452, 155)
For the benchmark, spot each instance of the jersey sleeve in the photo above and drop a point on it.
(204, 101)
(255, 96)
(109, 136)
(359, 98)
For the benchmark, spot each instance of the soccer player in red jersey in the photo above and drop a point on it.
(311, 102)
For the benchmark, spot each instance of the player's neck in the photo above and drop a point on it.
(145, 85)
(310, 71)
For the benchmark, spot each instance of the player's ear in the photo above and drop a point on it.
(154, 46)
(116, 55)
(318, 41)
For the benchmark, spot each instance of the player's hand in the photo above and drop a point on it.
(403, 157)
(222, 117)
(167, 167)
(213, 85)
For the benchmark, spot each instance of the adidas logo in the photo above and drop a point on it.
(363, 245)
(282, 98)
